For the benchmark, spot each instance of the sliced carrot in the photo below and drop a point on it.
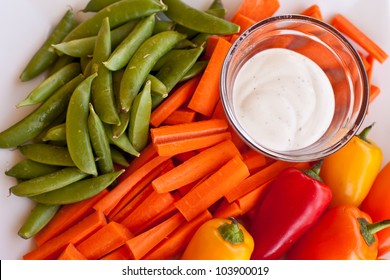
(104, 241)
(230, 210)
(182, 157)
(371, 60)
(163, 215)
(213, 188)
(180, 116)
(254, 160)
(313, 11)
(75, 234)
(121, 253)
(185, 131)
(234, 38)
(210, 46)
(243, 21)
(219, 112)
(107, 203)
(374, 92)
(66, 217)
(196, 167)
(206, 94)
(141, 244)
(173, 246)
(71, 253)
(258, 9)
(174, 101)
(345, 26)
(252, 199)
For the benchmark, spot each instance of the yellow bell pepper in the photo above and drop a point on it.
(220, 239)
(350, 172)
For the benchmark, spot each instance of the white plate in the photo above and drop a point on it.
(26, 23)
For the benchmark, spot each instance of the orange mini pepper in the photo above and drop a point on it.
(351, 171)
(220, 239)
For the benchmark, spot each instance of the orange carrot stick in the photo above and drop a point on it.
(121, 253)
(313, 11)
(162, 216)
(104, 241)
(206, 94)
(258, 9)
(75, 234)
(184, 156)
(196, 167)
(141, 244)
(71, 253)
(243, 21)
(250, 201)
(374, 92)
(174, 101)
(210, 46)
(180, 116)
(370, 60)
(254, 160)
(229, 210)
(174, 245)
(213, 188)
(349, 29)
(66, 217)
(185, 131)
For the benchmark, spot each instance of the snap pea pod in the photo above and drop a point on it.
(122, 141)
(142, 62)
(184, 44)
(197, 20)
(83, 47)
(140, 118)
(35, 123)
(45, 89)
(126, 49)
(27, 169)
(77, 136)
(49, 182)
(45, 56)
(118, 157)
(118, 130)
(99, 141)
(195, 70)
(161, 26)
(62, 61)
(39, 217)
(97, 5)
(118, 13)
(55, 133)
(78, 191)
(157, 87)
(47, 154)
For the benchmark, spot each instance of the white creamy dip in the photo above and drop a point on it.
(283, 99)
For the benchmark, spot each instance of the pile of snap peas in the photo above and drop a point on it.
(105, 75)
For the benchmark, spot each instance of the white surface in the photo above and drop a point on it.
(26, 23)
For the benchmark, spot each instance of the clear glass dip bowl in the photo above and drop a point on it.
(347, 76)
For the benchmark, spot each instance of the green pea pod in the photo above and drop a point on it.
(45, 56)
(55, 133)
(118, 157)
(47, 154)
(122, 141)
(102, 95)
(185, 44)
(35, 123)
(61, 62)
(49, 182)
(45, 89)
(97, 5)
(118, 130)
(77, 136)
(195, 70)
(78, 191)
(140, 118)
(39, 217)
(99, 142)
(122, 54)
(27, 169)
(161, 26)
(142, 63)
(118, 13)
(157, 87)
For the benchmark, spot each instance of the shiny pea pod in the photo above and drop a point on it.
(118, 13)
(27, 169)
(157, 87)
(140, 118)
(97, 5)
(99, 142)
(142, 63)
(77, 136)
(118, 130)
(126, 49)
(45, 89)
(78, 191)
(55, 133)
(47, 154)
(118, 157)
(122, 141)
(37, 121)
(161, 26)
(102, 95)
(195, 70)
(61, 62)
(45, 56)
(49, 182)
(197, 20)
(39, 217)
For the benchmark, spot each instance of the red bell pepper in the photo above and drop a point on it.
(294, 202)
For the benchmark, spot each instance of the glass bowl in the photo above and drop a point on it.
(331, 51)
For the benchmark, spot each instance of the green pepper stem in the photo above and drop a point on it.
(363, 135)
(314, 172)
(368, 230)
(231, 232)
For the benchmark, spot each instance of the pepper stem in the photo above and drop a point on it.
(231, 232)
(363, 135)
(314, 172)
(368, 230)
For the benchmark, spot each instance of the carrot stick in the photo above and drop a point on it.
(219, 112)
(66, 217)
(206, 94)
(370, 60)
(71, 253)
(252, 199)
(121, 253)
(107, 203)
(192, 144)
(75, 234)
(174, 245)
(374, 92)
(349, 29)
(196, 167)
(258, 9)
(229, 210)
(180, 116)
(313, 11)
(213, 188)
(254, 160)
(210, 46)
(159, 218)
(174, 101)
(182, 157)
(186, 131)
(243, 21)
(141, 244)
(104, 241)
